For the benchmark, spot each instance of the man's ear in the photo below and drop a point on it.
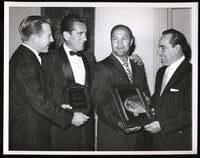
(131, 42)
(178, 48)
(33, 38)
(66, 35)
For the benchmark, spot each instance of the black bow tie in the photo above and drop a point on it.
(75, 53)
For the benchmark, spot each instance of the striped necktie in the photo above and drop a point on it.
(128, 72)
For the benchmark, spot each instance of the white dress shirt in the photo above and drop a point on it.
(34, 51)
(77, 66)
(172, 68)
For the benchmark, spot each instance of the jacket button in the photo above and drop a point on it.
(180, 132)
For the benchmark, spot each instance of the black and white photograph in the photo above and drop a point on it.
(61, 58)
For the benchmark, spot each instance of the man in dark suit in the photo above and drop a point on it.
(66, 66)
(112, 136)
(172, 96)
(31, 110)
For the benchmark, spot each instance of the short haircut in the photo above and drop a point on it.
(120, 26)
(177, 38)
(32, 25)
(67, 23)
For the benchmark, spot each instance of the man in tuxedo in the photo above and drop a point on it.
(171, 100)
(117, 69)
(69, 65)
(31, 110)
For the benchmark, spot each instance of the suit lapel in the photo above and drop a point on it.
(160, 80)
(118, 66)
(87, 70)
(66, 67)
(175, 77)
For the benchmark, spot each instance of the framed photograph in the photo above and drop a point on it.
(131, 105)
(78, 97)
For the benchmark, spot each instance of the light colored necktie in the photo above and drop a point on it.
(165, 80)
(128, 72)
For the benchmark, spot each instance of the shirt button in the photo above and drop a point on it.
(180, 132)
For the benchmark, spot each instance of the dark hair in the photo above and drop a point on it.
(120, 26)
(32, 25)
(67, 23)
(177, 38)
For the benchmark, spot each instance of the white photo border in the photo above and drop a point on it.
(194, 61)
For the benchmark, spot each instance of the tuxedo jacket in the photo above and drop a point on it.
(59, 75)
(173, 109)
(110, 71)
(31, 110)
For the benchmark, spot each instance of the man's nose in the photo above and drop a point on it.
(51, 39)
(120, 42)
(84, 38)
(159, 52)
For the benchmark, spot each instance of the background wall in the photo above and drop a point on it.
(16, 15)
(57, 13)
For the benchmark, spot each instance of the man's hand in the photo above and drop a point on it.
(153, 127)
(128, 130)
(79, 119)
(137, 59)
(66, 106)
(153, 111)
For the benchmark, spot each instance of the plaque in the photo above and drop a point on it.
(131, 105)
(78, 97)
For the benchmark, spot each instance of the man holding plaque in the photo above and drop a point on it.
(120, 70)
(68, 73)
(172, 128)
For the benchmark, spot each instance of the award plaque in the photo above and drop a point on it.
(78, 97)
(131, 105)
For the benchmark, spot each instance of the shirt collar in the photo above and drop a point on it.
(176, 63)
(34, 51)
(67, 50)
(128, 61)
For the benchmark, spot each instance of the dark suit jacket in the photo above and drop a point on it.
(30, 109)
(173, 109)
(59, 74)
(110, 71)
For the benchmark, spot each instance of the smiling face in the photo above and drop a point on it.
(44, 39)
(121, 42)
(167, 53)
(76, 39)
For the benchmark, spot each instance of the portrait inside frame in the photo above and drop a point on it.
(131, 105)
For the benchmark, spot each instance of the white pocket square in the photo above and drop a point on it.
(174, 90)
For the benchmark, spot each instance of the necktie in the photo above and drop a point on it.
(165, 79)
(128, 72)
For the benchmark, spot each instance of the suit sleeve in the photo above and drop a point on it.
(101, 96)
(34, 86)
